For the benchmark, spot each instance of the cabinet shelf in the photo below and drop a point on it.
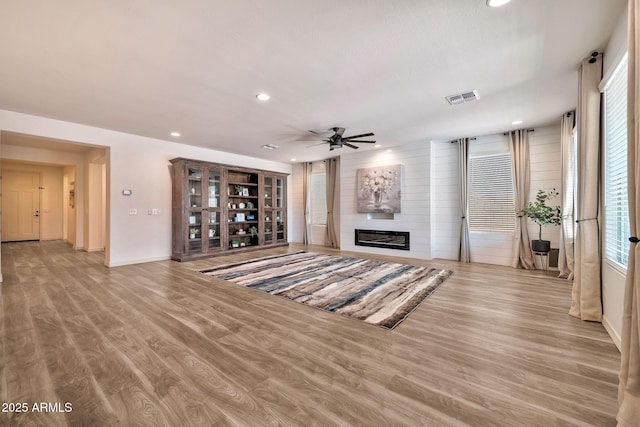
(212, 188)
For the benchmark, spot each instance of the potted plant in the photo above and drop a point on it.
(235, 243)
(254, 234)
(543, 215)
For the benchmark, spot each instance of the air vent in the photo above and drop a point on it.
(463, 97)
(270, 146)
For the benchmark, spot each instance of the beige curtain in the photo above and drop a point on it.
(567, 229)
(463, 189)
(519, 148)
(586, 302)
(306, 178)
(332, 167)
(629, 388)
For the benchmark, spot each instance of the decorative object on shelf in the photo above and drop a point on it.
(241, 205)
(193, 190)
(239, 190)
(241, 231)
(254, 234)
(192, 232)
(235, 243)
(240, 217)
(192, 219)
(212, 232)
(543, 215)
(245, 192)
(251, 217)
(379, 189)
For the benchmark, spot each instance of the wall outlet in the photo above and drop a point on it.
(133, 211)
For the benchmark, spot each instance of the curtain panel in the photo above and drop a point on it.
(519, 148)
(463, 190)
(629, 388)
(332, 166)
(567, 190)
(306, 179)
(586, 293)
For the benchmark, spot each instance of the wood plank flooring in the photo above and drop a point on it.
(160, 344)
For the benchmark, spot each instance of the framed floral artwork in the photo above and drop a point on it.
(379, 189)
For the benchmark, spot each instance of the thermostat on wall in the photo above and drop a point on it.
(126, 192)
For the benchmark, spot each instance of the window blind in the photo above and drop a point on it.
(491, 206)
(615, 168)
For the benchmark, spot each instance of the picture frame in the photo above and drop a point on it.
(240, 217)
(245, 191)
(251, 217)
(379, 189)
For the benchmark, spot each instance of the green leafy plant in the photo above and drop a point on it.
(541, 213)
(253, 230)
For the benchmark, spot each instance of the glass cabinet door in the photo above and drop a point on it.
(279, 193)
(194, 231)
(214, 189)
(280, 234)
(212, 228)
(195, 187)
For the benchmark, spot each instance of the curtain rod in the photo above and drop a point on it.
(529, 130)
(470, 139)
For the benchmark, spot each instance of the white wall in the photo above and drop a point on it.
(489, 247)
(137, 163)
(613, 277)
(415, 215)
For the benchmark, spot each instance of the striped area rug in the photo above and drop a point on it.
(377, 292)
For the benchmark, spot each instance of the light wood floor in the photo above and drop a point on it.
(159, 344)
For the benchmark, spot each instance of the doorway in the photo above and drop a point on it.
(20, 206)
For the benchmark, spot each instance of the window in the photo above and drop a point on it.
(491, 206)
(318, 197)
(616, 206)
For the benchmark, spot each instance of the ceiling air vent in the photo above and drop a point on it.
(463, 97)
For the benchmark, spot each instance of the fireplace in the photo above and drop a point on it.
(383, 239)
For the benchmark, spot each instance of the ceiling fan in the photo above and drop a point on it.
(337, 140)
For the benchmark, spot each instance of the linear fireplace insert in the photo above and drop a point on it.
(383, 239)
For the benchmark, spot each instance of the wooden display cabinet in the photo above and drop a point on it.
(219, 208)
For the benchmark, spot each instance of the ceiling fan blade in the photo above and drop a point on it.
(357, 136)
(367, 142)
(338, 131)
(315, 145)
(349, 145)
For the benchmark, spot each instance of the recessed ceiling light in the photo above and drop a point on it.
(496, 3)
(377, 146)
(175, 134)
(293, 160)
(263, 96)
(517, 122)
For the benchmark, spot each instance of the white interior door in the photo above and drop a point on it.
(20, 206)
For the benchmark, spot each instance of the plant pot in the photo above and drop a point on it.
(540, 245)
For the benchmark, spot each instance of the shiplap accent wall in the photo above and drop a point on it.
(445, 203)
(415, 215)
(489, 247)
(296, 204)
(544, 152)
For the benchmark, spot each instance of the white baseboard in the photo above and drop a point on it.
(137, 261)
(612, 333)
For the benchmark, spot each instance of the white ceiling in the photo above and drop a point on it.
(150, 67)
